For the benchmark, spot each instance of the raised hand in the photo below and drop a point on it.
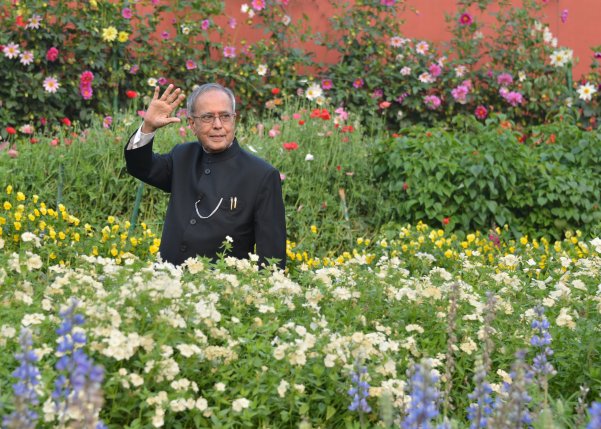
(160, 109)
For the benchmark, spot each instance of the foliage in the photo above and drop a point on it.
(512, 67)
(268, 348)
(545, 179)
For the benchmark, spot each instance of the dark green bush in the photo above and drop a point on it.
(479, 176)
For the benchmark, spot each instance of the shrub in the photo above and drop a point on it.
(485, 175)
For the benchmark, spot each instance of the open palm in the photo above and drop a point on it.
(161, 108)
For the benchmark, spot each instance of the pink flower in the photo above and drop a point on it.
(232, 23)
(327, 84)
(342, 114)
(282, 177)
(229, 52)
(432, 102)
(258, 4)
(358, 83)
(52, 54)
(514, 98)
(126, 13)
(460, 94)
(504, 79)
(107, 121)
(435, 70)
(481, 112)
(162, 81)
(465, 19)
(182, 131)
(296, 116)
(190, 65)
(205, 24)
(165, 35)
(564, 16)
(86, 91)
(378, 93)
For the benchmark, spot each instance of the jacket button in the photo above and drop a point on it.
(183, 248)
(208, 171)
(192, 221)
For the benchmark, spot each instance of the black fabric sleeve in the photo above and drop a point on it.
(149, 167)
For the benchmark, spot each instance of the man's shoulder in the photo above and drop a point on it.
(256, 161)
(186, 149)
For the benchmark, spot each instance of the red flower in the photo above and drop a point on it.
(301, 122)
(384, 104)
(465, 19)
(33, 140)
(66, 122)
(405, 186)
(19, 21)
(481, 112)
(320, 113)
(52, 54)
(275, 91)
(290, 146)
(131, 94)
(11, 130)
(446, 220)
(347, 129)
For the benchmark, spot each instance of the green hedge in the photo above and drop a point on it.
(478, 176)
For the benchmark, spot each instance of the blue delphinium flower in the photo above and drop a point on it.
(28, 376)
(595, 416)
(79, 384)
(511, 408)
(359, 390)
(479, 410)
(423, 408)
(541, 340)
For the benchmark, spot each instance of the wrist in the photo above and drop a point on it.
(147, 129)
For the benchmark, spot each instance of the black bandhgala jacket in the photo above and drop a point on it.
(213, 195)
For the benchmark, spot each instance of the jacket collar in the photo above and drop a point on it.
(229, 153)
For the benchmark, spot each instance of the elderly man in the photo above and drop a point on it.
(218, 190)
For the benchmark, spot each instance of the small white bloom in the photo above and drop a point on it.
(586, 91)
(313, 91)
(309, 157)
(240, 404)
(406, 71)
(152, 81)
(262, 69)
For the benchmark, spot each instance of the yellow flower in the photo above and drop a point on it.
(42, 225)
(109, 34)
(7, 205)
(153, 249)
(36, 198)
(62, 235)
(76, 236)
(9, 190)
(360, 241)
(17, 225)
(448, 253)
(314, 229)
(95, 251)
(2, 221)
(31, 217)
(524, 240)
(123, 36)
(133, 241)
(20, 196)
(470, 238)
(114, 252)
(18, 216)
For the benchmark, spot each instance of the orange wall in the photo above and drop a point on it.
(581, 31)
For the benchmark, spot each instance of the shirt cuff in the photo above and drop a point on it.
(139, 139)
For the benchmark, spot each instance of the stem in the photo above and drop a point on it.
(134, 216)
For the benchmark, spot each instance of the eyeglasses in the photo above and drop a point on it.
(209, 118)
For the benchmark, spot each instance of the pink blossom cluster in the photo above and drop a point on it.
(85, 84)
(512, 97)
(432, 102)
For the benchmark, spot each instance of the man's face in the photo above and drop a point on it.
(216, 135)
